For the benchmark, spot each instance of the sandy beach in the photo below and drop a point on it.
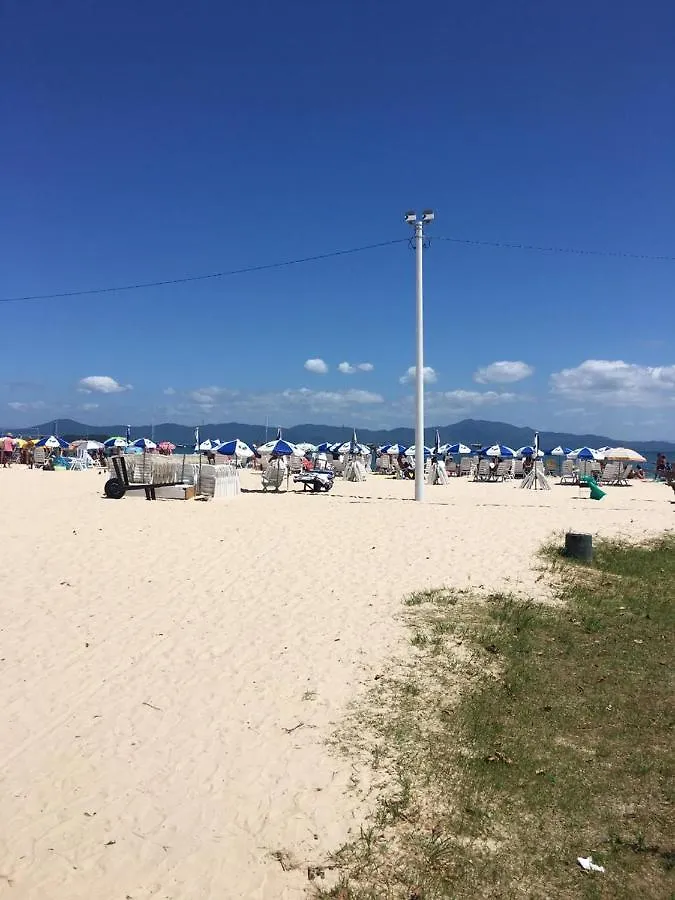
(171, 670)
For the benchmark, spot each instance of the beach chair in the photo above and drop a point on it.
(39, 457)
(274, 475)
(451, 467)
(569, 474)
(517, 471)
(502, 471)
(610, 475)
(624, 475)
(465, 465)
(81, 460)
(483, 470)
(551, 467)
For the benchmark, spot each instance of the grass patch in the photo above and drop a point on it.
(522, 736)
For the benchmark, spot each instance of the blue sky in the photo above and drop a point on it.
(150, 141)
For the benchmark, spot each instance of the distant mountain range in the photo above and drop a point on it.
(470, 431)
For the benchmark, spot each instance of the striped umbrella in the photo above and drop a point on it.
(396, 449)
(144, 444)
(462, 449)
(235, 448)
(116, 441)
(585, 453)
(498, 450)
(52, 442)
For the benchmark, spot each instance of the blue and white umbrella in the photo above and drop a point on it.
(384, 448)
(279, 447)
(498, 450)
(209, 444)
(462, 449)
(235, 448)
(353, 446)
(529, 451)
(324, 448)
(411, 451)
(396, 449)
(585, 453)
(144, 444)
(559, 451)
(52, 442)
(116, 441)
(437, 444)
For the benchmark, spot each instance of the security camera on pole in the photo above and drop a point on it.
(418, 224)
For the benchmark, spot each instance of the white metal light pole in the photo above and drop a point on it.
(418, 224)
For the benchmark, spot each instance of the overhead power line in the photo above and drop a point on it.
(188, 278)
(510, 245)
(502, 245)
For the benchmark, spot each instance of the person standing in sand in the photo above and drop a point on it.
(7, 451)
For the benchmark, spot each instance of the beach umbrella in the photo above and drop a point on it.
(278, 446)
(529, 451)
(210, 444)
(352, 446)
(585, 453)
(384, 448)
(559, 451)
(53, 442)
(411, 451)
(459, 448)
(323, 448)
(144, 444)
(497, 450)
(166, 445)
(115, 441)
(396, 449)
(235, 448)
(88, 445)
(306, 447)
(437, 444)
(624, 454)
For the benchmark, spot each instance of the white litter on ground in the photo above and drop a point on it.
(586, 862)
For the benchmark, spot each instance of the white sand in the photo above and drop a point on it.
(221, 615)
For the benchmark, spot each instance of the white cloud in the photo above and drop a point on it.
(326, 400)
(208, 397)
(89, 406)
(318, 366)
(169, 391)
(503, 372)
(349, 369)
(102, 384)
(21, 406)
(461, 400)
(616, 383)
(430, 375)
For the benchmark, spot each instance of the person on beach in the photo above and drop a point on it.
(7, 451)
(661, 466)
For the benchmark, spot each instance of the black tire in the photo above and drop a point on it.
(329, 485)
(114, 489)
(317, 487)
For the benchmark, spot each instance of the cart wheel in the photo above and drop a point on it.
(316, 487)
(114, 489)
(329, 485)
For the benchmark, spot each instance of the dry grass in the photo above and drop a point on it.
(520, 737)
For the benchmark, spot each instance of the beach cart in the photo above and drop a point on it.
(116, 487)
